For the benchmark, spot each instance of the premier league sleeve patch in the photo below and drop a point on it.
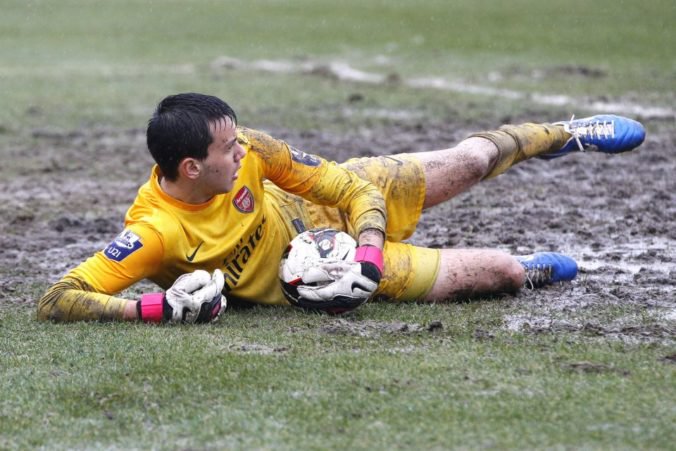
(304, 158)
(123, 246)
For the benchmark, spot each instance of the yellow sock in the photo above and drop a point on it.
(516, 143)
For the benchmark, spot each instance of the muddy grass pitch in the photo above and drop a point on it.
(64, 195)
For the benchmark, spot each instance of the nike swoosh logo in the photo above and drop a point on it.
(191, 257)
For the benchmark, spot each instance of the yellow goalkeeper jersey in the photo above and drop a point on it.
(239, 232)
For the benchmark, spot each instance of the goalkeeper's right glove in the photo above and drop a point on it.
(349, 284)
(193, 298)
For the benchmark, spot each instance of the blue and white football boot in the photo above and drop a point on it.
(605, 133)
(545, 268)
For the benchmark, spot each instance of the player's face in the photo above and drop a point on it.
(224, 157)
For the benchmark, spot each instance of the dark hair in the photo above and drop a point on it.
(179, 129)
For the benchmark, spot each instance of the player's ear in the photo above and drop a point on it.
(190, 168)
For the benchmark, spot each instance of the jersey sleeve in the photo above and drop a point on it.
(318, 180)
(87, 291)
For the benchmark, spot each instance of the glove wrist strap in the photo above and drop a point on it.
(150, 308)
(371, 254)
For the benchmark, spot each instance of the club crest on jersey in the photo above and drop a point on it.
(304, 158)
(244, 200)
(123, 246)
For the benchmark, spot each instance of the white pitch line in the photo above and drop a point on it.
(344, 72)
(341, 71)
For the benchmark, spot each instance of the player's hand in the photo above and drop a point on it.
(350, 284)
(193, 298)
(196, 297)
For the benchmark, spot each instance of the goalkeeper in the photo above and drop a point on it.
(223, 202)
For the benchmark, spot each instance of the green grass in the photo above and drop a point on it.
(130, 31)
(277, 378)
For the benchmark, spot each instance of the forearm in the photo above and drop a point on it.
(362, 201)
(72, 299)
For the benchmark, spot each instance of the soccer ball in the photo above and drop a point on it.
(299, 264)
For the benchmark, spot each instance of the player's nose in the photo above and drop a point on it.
(240, 151)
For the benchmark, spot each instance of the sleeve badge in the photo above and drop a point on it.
(304, 158)
(125, 244)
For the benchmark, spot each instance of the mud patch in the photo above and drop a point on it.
(253, 348)
(594, 368)
(671, 358)
(372, 329)
(575, 70)
(649, 333)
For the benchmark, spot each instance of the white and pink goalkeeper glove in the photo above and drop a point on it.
(349, 284)
(193, 298)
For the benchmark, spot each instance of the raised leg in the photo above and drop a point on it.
(449, 172)
(473, 159)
